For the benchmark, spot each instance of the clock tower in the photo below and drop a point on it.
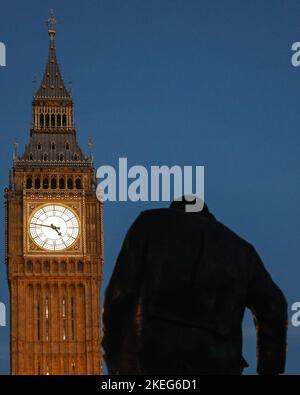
(54, 241)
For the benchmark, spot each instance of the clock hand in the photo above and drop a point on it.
(52, 227)
(46, 226)
(56, 229)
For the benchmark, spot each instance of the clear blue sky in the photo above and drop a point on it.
(197, 82)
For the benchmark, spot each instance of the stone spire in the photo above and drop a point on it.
(52, 85)
(52, 136)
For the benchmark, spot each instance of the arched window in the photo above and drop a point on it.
(31, 156)
(39, 146)
(29, 183)
(67, 146)
(53, 146)
(80, 267)
(29, 267)
(64, 120)
(63, 266)
(53, 183)
(75, 157)
(37, 183)
(47, 118)
(45, 157)
(42, 120)
(52, 120)
(46, 183)
(78, 183)
(70, 183)
(46, 267)
(62, 183)
(58, 120)
(61, 157)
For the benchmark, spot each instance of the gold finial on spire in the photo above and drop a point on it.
(51, 23)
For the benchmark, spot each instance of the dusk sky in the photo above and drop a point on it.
(174, 82)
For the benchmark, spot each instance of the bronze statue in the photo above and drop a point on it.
(177, 296)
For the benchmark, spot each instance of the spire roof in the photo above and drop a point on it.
(53, 135)
(52, 85)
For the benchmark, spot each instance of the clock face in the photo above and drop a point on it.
(54, 227)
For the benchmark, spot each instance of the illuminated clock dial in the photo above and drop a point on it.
(54, 227)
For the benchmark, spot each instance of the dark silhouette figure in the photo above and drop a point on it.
(176, 299)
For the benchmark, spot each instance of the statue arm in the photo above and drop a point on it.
(269, 309)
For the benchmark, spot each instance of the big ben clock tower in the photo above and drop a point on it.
(54, 241)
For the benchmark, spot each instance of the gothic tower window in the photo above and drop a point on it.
(39, 146)
(46, 183)
(80, 267)
(45, 157)
(64, 266)
(53, 183)
(78, 183)
(29, 182)
(52, 120)
(31, 156)
(47, 120)
(46, 267)
(75, 157)
(29, 267)
(64, 120)
(61, 183)
(70, 183)
(61, 157)
(37, 183)
(53, 146)
(42, 120)
(72, 267)
(58, 120)
(67, 146)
